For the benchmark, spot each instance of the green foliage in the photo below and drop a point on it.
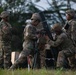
(37, 72)
(1, 9)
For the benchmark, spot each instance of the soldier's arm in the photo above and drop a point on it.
(29, 33)
(73, 30)
(56, 43)
(6, 28)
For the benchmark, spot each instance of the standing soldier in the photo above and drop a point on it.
(5, 41)
(42, 42)
(64, 44)
(70, 28)
(29, 39)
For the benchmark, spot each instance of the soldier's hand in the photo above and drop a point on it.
(38, 35)
(5, 28)
(35, 38)
(46, 37)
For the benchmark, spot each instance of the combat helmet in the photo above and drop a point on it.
(36, 16)
(71, 12)
(4, 14)
(57, 27)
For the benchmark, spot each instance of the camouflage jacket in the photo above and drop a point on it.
(71, 31)
(29, 36)
(62, 42)
(5, 31)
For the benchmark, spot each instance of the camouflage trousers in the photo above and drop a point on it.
(22, 57)
(42, 56)
(38, 61)
(5, 56)
(42, 59)
(72, 61)
(62, 60)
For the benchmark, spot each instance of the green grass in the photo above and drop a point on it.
(37, 72)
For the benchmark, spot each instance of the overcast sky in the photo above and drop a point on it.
(44, 4)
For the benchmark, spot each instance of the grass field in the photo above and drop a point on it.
(37, 72)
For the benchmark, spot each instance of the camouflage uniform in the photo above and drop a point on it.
(5, 41)
(72, 26)
(71, 31)
(41, 43)
(28, 44)
(42, 51)
(64, 44)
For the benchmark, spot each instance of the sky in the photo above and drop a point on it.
(44, 4)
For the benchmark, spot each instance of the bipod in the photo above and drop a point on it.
(34, 64)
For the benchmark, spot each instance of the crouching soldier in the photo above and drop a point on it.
(64, 44)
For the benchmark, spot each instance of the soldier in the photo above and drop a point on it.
(71, 22)
(42, 42)
(70, 28)
(29, 39)
(64, 44)
(5, 41)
